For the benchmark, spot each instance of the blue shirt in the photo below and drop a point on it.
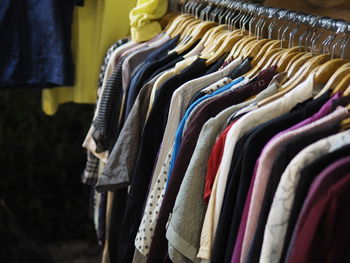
(180, 128)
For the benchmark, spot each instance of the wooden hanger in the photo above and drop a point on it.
(284, 55)
(249, 50)
(272, 44)
(167, 20)
(335, 79)
(342, 85)
(201, 42)
(286, 59)
(176, 23)
(347, 92)
(215, 43)
(197, 34)
(224, 48)
(305, 70)
(292, 61)
(239, 49)
(291, 71)
(300, 76)
(323, 74)
(262, 62)
(214, 30)
(187, 28)
(236, 46)
(345, 124)
(183, 26)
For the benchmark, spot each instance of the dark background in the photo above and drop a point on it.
(41, 161)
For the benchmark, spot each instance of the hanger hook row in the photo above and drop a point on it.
(336, 25)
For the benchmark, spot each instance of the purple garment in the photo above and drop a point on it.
(236, 254)
(318, 228)
(325, 109)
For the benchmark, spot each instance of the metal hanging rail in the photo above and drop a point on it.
(337, 25)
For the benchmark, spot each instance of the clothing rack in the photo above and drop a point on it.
(337, 25)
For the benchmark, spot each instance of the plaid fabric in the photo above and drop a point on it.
(109, 107)
(106, 60)
(90, 173)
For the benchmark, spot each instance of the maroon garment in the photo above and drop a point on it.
(322, 233)
(159, 246)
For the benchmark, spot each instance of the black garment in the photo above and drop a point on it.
(281, 161)
(242, 171)
(154, 61)
(35, 48)
(172, 59)
(106, 121)
(307, 175)
(214, 67)
(118, 207)
(150, 141)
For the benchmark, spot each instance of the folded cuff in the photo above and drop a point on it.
(145, 32)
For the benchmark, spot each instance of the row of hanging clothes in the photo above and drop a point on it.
(225, 138)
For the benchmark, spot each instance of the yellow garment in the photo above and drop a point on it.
(143, 16)
(179, 66)
(97, 25)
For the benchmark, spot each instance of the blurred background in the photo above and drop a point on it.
(44, 206)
